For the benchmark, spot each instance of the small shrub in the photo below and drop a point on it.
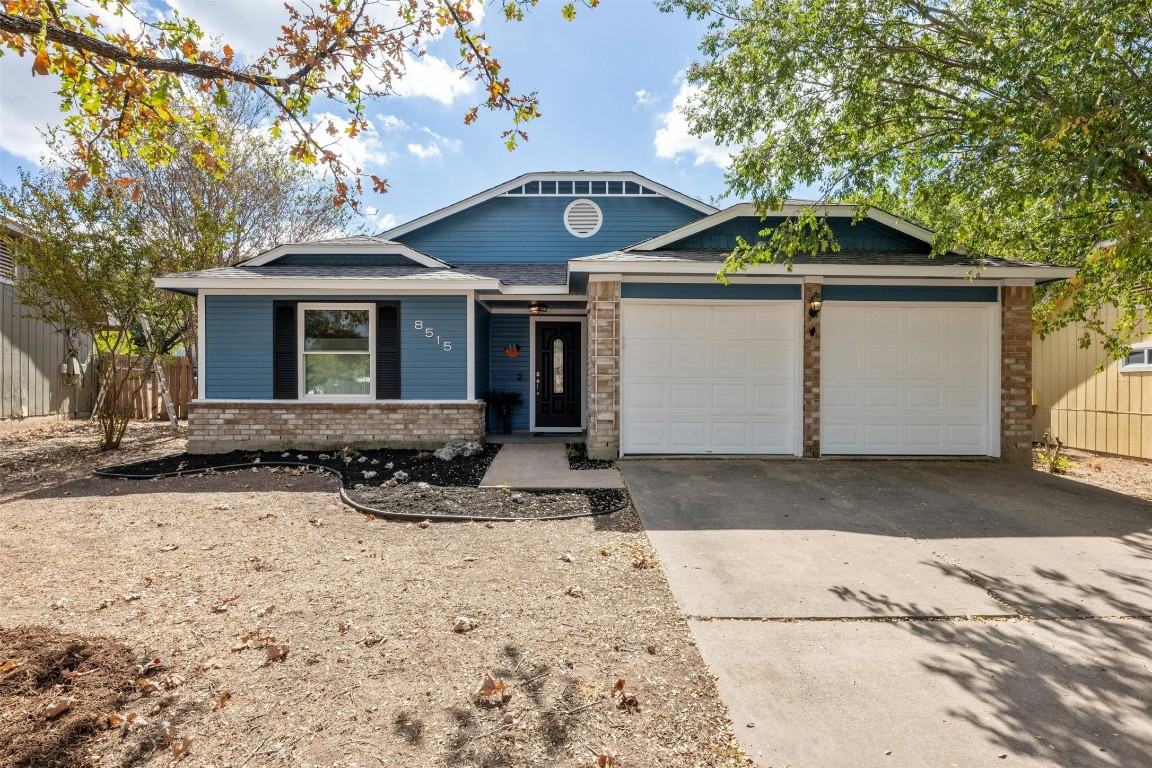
(1052, 458)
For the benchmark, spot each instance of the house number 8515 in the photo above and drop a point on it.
(431, 334)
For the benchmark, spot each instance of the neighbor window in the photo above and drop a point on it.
(336, 350)
(1139, 360)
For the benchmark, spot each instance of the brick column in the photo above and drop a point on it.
(603, 436)
(1016, 374)
(811, 375)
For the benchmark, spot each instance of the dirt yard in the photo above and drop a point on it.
(1132, 477)
(274, 626)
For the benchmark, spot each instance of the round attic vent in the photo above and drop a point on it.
(583, 218)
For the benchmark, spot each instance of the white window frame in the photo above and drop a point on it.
(301, 353)
(1146, 348)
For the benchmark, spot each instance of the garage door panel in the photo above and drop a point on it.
(905, 380)
(731, 388)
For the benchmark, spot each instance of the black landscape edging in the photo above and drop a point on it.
(113, 472)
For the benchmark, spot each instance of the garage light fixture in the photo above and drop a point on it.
(537, 308)
(814, 305)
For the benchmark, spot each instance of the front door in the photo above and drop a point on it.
(558, 375)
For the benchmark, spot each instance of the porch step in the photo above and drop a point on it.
(535, 466)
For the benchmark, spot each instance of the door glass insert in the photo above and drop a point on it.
(558, 366)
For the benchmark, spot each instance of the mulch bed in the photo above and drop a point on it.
(41, 667)
(435, 501)
(420, 466)
(578, 458)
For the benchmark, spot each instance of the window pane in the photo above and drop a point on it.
(615, 187)
(631, 188)
(337, 374)
(581, 188)
(335, 330)
(558, 366)
(564, 187)
(1136, 358)
(598, 187)
(547, 187)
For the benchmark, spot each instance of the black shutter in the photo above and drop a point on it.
(285, 384)
(388, 351)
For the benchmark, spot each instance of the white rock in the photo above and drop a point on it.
(464, 624)
(368, 475)
(362, 459)
(301, 457)
(567, 557)
(324, 456)
(377, 461)
(388, 465)
(574, 592)
(400, 476)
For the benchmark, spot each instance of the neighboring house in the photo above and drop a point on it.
(594, 296)
(32, 387)
(1109, 411)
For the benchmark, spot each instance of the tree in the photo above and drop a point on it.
(1015, 128)
(127, 79)
(85, 263)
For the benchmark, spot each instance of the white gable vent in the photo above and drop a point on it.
(583, 218)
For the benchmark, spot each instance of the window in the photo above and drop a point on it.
(337, 351)
(7, 265)
(558, 366)
(1139, 360)
(578, 188)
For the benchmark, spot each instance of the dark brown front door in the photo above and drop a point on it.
(558, 375)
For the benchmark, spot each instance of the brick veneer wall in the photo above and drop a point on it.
(603, 439)
(216, 426)
(811, 376)
(1016, 374)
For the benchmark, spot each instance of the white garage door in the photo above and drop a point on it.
(716, 377)
(906, 380)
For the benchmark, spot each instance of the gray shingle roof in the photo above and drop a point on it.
(414, 272)
(861, 258)
(508, 274)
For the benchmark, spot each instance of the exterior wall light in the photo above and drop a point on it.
(814, 305)
(536, 308)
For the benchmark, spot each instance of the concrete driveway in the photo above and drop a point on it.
(912, 613)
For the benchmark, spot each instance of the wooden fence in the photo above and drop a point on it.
(149, 405)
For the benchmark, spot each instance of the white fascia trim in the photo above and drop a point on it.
(827, 270)
(201, 336)
(574, 297)
(325, 401)
(500, 189)
(336, 248)
(520, 290)
(831, 210)
(470, 356)
(320, 285)
(711, 280)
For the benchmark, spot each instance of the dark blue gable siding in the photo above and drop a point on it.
(512, 373)
(344, 260)
(866, 235)
(238, 345)
(531, 229)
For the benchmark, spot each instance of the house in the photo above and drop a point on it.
(1107, 411)
(33, 386)
(594, 295)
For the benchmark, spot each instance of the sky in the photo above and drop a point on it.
(609, 82)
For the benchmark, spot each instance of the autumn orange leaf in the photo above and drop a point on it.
(40, 65)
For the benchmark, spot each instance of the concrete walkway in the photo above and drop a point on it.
(537, 467)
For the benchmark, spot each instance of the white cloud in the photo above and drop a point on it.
(27, 103)
(433, 78)
(366, 151)
(425, 151)
(674, 140)
(386, 222)
(453, 145)
(643, 97)
(391, 123)
(250, 27)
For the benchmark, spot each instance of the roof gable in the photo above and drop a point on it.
(878, 230)
(356, 251)
(520, 184)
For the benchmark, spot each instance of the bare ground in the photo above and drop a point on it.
(1132, 477)
(294, 631)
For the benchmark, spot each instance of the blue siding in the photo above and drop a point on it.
(238, 345)
(507, 330)
(483, 351)
(746, 291)
(345, 260)
(866, 235)
(531, 229)
(427, 372)
(968, 293)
